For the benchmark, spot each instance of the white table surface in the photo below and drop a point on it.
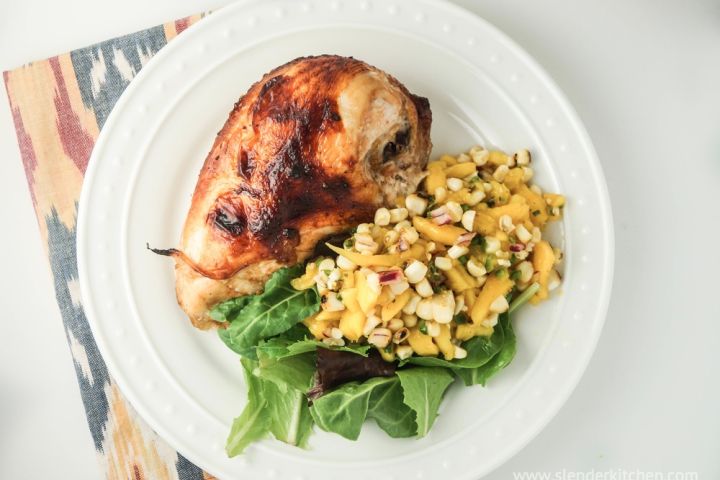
(645, 78)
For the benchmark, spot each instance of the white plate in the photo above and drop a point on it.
(482, 89)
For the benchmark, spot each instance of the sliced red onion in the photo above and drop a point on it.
(442, 210)
(443, 219)
(389, 277)
(517, 247)
(465, 239)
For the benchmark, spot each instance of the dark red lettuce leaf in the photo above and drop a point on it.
(336, 367)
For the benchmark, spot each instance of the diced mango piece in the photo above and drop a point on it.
(514, 178)
(436, 177)
(461, 170)
(469, 279)
(485, 224)
(538, 207)
(325, 316)
(366, 296)
(392, 308)
(470, 297)
(448, 160)
(466, 331)
(352, 324)
(494, 287)
(499, 194)
(387, 260)
(457, 281)
(317, 327)
(543, 259)
(385, 296)
(307, 280)
(497, 158)
(443, 342)
(350, 299)
(445, 234)
(519, 212)
(416, 251)
(554, 199)
(348, 279)
(422, 344)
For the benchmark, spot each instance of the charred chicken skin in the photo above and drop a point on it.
(310, 150)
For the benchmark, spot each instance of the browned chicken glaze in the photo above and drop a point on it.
(310, 150)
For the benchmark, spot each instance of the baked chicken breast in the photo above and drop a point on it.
(310, 150)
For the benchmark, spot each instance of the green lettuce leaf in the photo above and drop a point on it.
(288, 413)
(295, 372)
(423, 389)
(390, 412)
(344, 410)
(252, 424)
(482, 374)
(273, 406)
(229, 309)
(270, 313)
(280, 347)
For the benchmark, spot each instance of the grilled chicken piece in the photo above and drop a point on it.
(310, 150)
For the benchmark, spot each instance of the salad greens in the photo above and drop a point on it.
(423, 389)
(281, 368)
(270, 313)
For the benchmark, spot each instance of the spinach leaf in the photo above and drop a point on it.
(481, 374)
(479, 351)
(252, 424)
(423, 389)
(228, 310)
(272, 312)
(343, 411)
(390, 412)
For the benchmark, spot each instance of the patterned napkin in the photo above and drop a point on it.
(59, 106)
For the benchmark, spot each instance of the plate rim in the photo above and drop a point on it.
(585, 142)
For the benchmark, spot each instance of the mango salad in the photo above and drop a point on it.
(440, 267)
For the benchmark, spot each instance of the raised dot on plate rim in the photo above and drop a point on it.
(514, 78)
(520, 414)
(364, 5)
(494, 58)
(419, 17)
(471, 41)
(446, 28)
(552, 369)
(392, 9)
